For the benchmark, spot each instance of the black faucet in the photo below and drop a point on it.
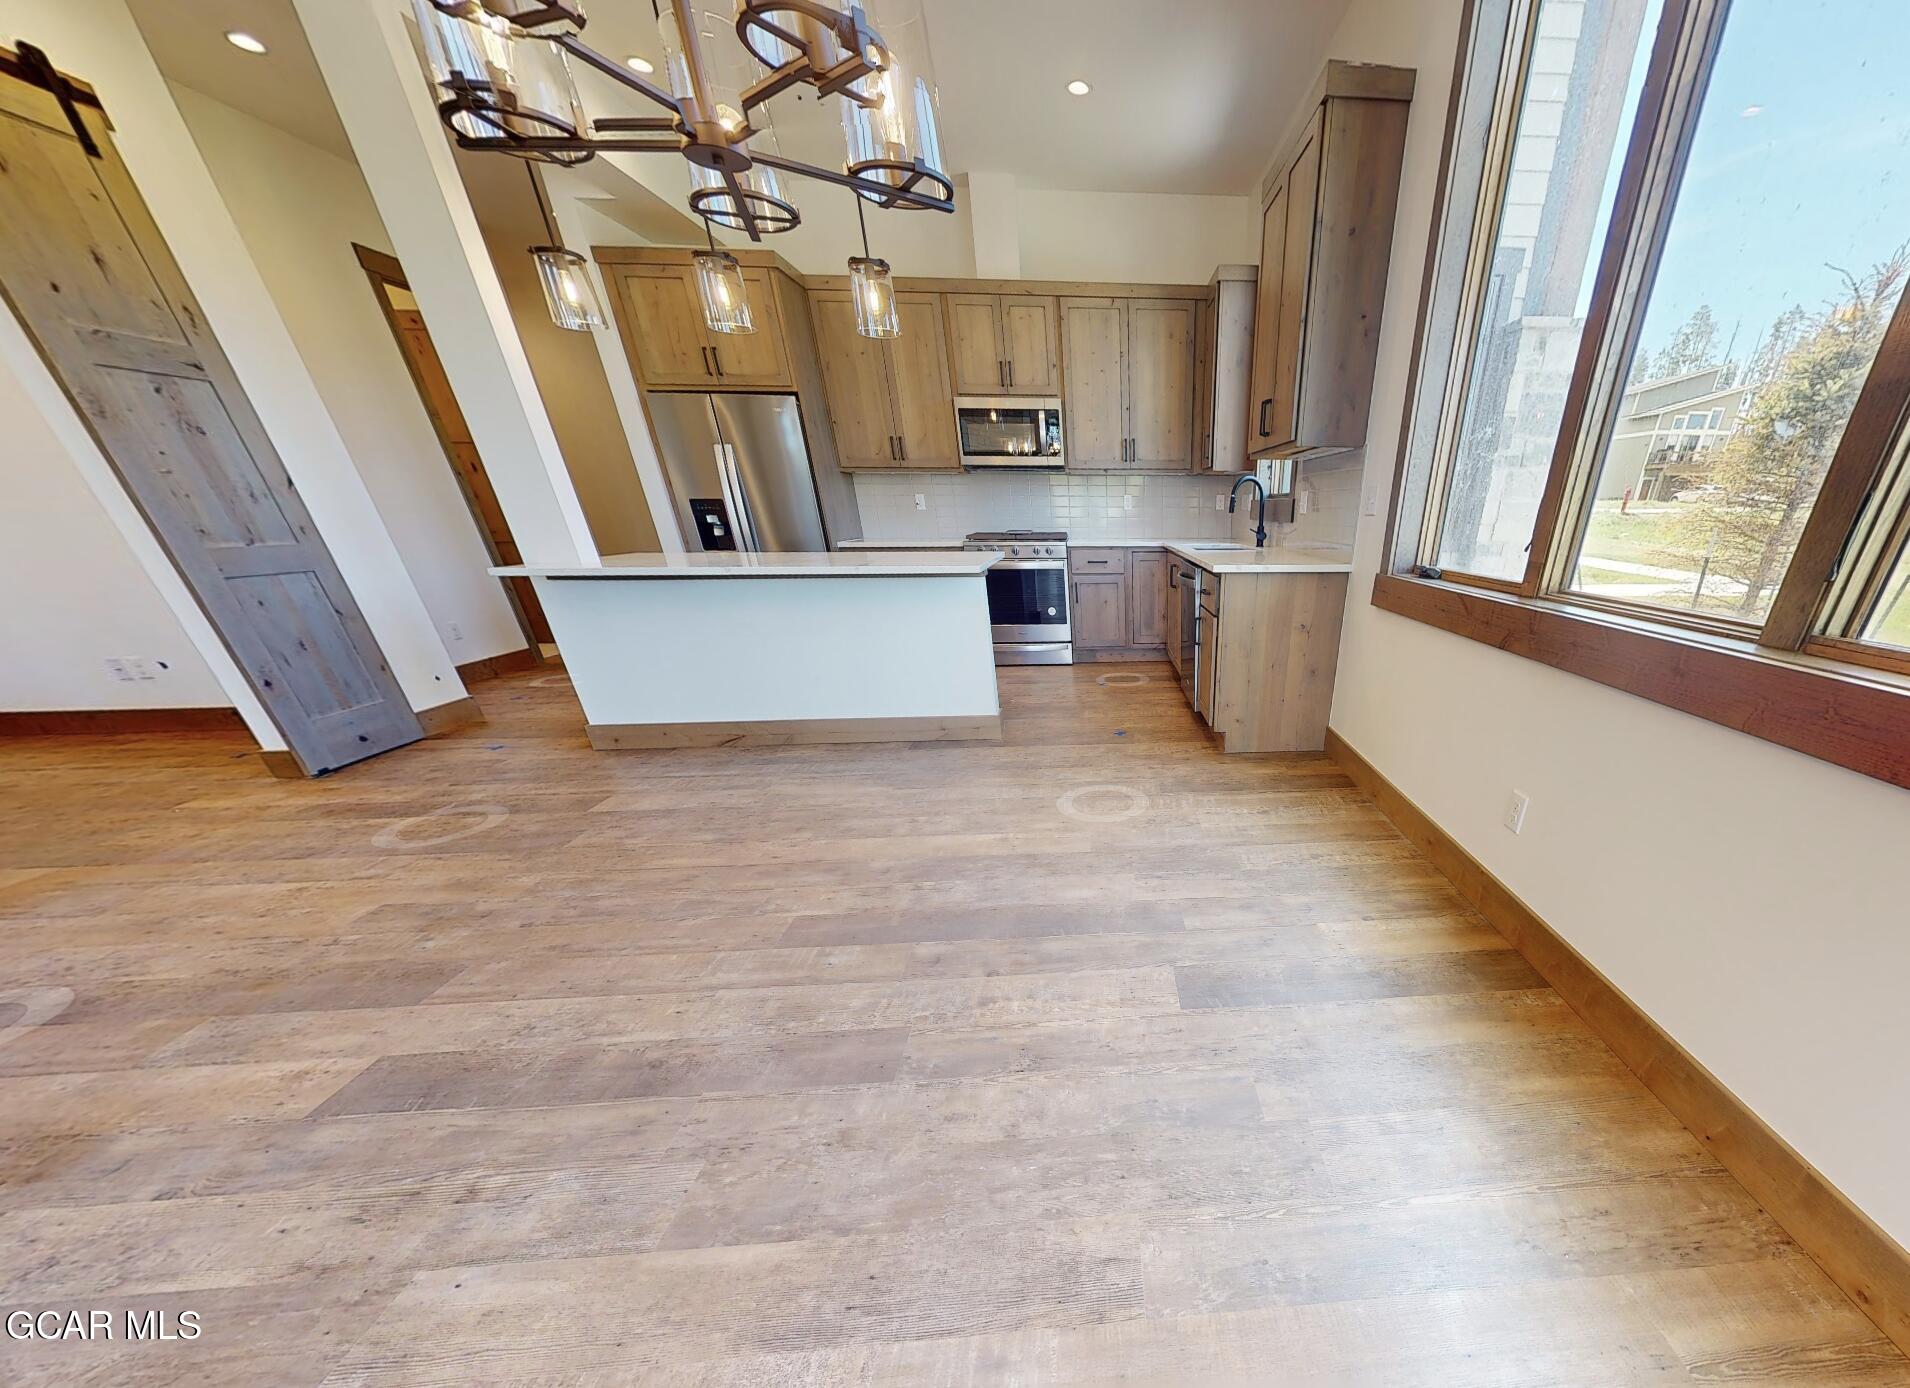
(1260, 520)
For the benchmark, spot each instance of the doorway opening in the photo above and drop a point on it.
(400, 307)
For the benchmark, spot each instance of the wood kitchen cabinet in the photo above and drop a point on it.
(1004, 344)
(889, 398)
(1326, 241)
(1119, 603)
(1265, 650)
(1223, 353)
(1129, 383)
(676, 349)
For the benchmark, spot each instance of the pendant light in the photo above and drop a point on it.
(873, 289)
(568, 292)
(719, 283)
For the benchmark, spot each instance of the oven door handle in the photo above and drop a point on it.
(1028, 564)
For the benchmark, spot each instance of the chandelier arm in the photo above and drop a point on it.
(543, 144)
(886, 194)
(627, 124)
(620, 72)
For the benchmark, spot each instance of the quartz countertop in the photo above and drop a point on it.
(1074, 542)
(1299, 559)
(860, 563)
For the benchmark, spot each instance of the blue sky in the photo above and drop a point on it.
(1802, 157)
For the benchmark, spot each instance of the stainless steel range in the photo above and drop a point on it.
(1028, 595)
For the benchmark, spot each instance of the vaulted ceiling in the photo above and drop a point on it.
(1187, 96)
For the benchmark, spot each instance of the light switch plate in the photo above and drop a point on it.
(921, 502)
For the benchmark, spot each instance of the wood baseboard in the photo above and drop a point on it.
(459, 713)
(496, 666)
(1120, 654)
(1872, 1268)
(623, 737)
(83, 722)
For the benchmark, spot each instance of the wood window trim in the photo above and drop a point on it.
(1850, 718)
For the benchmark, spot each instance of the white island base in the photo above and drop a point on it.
(764, 650)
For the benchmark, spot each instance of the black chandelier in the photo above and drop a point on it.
(502, 68)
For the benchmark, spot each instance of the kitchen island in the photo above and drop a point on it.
(754, 650)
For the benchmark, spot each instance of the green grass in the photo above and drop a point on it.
(1592, 574)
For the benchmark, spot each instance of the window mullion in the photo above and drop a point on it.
(1863, 450)
(1668, 108)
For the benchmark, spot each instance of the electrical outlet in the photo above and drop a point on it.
(1372, 500)
(1220, 502)
(1127, 501)
(1303, 503)
(457, 632)
(921, 502)
(1515, 809)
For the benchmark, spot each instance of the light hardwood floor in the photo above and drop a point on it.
(1091, 1057)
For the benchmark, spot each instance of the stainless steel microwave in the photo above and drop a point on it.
(1009, 431)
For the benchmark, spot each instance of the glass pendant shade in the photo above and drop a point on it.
(873, 289)
(511, 84)
(902, 125)
(568, 292)
(719, 283)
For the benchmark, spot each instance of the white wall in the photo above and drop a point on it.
(72, 593)
(97, 40)
(1149, 238)
(300, 209)
(1145, 237)
(1751, 899)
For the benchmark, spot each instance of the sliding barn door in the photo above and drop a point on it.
(83, 266)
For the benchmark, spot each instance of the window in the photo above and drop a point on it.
(1663, 391)
(1750, 268)
(1555, 183)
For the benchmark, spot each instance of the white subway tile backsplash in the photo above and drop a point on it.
(1088, 505)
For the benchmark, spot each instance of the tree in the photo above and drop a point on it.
(1784, 335)
(1691, 348)
(1769, 471)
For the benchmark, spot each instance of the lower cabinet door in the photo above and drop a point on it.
(1147, 597)
(1099, 616)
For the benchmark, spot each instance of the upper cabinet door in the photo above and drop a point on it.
(978, 364)
(1031, 342)
(667, 337)
(1206, 330)
(1303, 201)
(753, 359)
(1160, 382)
(1094, 333)
(855, 375)
(918, 366)
(1266, 322)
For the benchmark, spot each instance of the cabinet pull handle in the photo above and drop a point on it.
(902, 447)
(717, 357)
(1265, 405)
(1011, 371)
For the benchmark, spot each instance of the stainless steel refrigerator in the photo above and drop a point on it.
(739, 471)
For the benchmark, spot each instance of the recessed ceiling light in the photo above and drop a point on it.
(639, 64)
(1079, 88)
(238, 38)
(1751, 112)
